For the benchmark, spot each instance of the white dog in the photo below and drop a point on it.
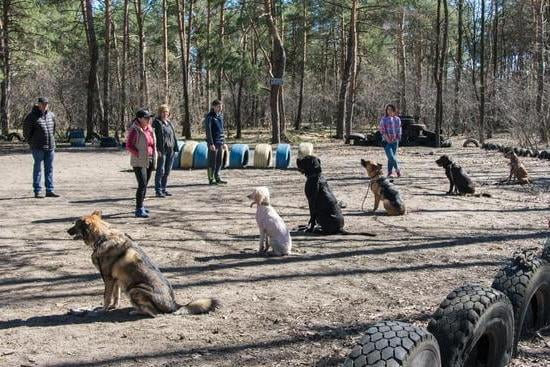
(273, 230)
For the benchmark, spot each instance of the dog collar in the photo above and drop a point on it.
(99, 242)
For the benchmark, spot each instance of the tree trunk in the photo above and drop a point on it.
(538, 14)
(345, 74)
(458, 67)
(207, 53)
(482, 76)
(92, 87)
(165, 49)
(143, 84)
(401, 61)
(298, 121)
(418, 77)
(104, 129)
(186, 121)
(188, 39)
(494, 118)
(117, 72)
(352, 54)
(440, 56)
(125, 47)
(221, 32)
(5, 85)
(278, 69)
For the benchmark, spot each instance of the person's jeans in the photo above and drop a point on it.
(164, 166)
(143, 174)
(391, 153)
(39, 156)
(215, 160)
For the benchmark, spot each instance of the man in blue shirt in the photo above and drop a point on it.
(213, 124)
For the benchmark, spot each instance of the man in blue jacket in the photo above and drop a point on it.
(213, 124)
(39, 132)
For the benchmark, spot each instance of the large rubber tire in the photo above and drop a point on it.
(526, 282)
(282, 156)
(17, 136)
(186, 161)
(200, 156)
(394, 344)
(474, 326)
(469, 141)
(305, 149)
(177, 155)
(239, 156)
(263, 155)
(108, 142)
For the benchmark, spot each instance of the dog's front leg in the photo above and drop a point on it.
(376, 202)
(108, 293)
(511, 174)
(263, 236)
(116, 295)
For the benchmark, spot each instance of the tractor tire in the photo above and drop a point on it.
(469, 141)
(526, 282)
(395, 344)
(474, 326)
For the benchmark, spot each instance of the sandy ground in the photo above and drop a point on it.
(303, 310)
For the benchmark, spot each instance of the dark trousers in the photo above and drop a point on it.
(39, 156)
(215, 160)
(143, 174)
(164, 166)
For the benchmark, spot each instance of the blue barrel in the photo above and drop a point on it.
(200, 156)
(282, 156)
(76, 134)
(238, 157)
(177, 155)
(77, 142)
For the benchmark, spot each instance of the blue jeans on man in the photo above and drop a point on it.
(39, 156)
(164, 166)
(391, 153)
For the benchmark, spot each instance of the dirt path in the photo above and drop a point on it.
(304, 310)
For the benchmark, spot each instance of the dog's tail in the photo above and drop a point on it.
(199, 306)
(368, 234)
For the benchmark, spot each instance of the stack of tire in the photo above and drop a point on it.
(522, 152)
(473, 326)
(77, 138)
(11, 137)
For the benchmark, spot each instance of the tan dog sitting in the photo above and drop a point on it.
(273, 230)
(517, 169)
(383, 189)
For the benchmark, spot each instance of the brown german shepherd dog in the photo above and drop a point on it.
(383, 189)
(124, 266)
(517, 169)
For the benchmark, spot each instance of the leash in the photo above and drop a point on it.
(366, 195)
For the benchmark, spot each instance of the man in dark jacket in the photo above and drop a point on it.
(213, 124)
(167, 146)
(39, 132)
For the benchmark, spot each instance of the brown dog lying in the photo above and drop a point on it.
(383, 189)
(517, 169)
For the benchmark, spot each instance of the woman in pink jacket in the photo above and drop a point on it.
(390, 128)
(142, 145)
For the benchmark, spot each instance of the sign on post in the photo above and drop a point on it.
(277, 81)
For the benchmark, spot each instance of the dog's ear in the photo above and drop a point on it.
(97, 213)
(379, 165)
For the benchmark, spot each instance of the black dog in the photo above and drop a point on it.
(459, 181)
(323, 206)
